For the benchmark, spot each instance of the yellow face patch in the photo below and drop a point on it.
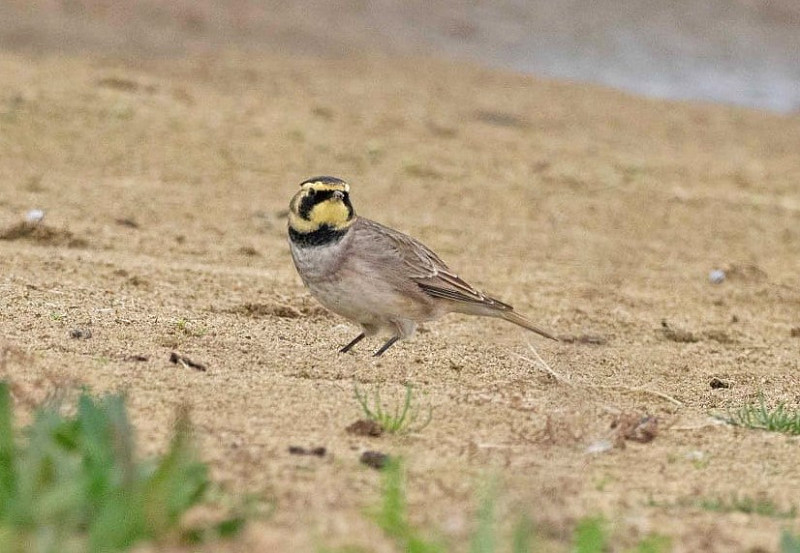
(333, 213)
(321, 203)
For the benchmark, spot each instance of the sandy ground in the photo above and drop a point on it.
(165, 186)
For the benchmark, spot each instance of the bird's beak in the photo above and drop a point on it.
(338, 194)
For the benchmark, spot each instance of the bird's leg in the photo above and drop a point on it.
(386, 346)
(356, 340)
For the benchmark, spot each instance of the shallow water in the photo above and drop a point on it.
(738, 52)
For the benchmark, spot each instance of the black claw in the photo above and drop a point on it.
(386, 346)
(356, 340)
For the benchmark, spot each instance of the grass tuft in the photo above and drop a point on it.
(392, 516)
(745, 504)
(402, 419)
(73, 483)
(761, 417)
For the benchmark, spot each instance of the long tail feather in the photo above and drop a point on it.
(516, 318)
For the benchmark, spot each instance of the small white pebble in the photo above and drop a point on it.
(34, 216)
(717, 276)
(600, 446)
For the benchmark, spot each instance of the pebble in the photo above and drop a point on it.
(34, 216)
(717, 276)
(600, 446)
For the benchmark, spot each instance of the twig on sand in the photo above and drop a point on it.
(641, 390)
(692, 427)
(542, 364)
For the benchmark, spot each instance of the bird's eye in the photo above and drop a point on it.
(312, 192)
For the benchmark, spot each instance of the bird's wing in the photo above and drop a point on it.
(431, 273)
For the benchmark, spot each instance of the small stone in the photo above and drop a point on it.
(127, 222)
(184, 361)
(374, 459)
(34, 216)
(365, 427)
(717, 276)
(80, 333)
(315, 451)
(600, 446)
(717, 383)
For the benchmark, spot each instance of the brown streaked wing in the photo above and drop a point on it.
(449, 286)
(431, 273)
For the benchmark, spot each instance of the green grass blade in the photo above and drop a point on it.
(589, 536)
(402, 418)
(522, 539)
(392, 514)
(654, 544)
(760, 416)
(483, 541)
(400, 414)
(8, 476)
(177, 484)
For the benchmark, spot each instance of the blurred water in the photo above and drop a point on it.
(743, 52)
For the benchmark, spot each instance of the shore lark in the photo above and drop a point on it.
(373, 275)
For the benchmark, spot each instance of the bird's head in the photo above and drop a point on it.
(321, 205)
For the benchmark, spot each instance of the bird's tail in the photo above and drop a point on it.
(517, 319)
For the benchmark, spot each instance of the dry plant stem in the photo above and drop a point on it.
(641, 390)
(542, 364)
(692, 427)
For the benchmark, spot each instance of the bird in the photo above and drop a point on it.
(373, 275)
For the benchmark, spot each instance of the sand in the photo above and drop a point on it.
(165, 185)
